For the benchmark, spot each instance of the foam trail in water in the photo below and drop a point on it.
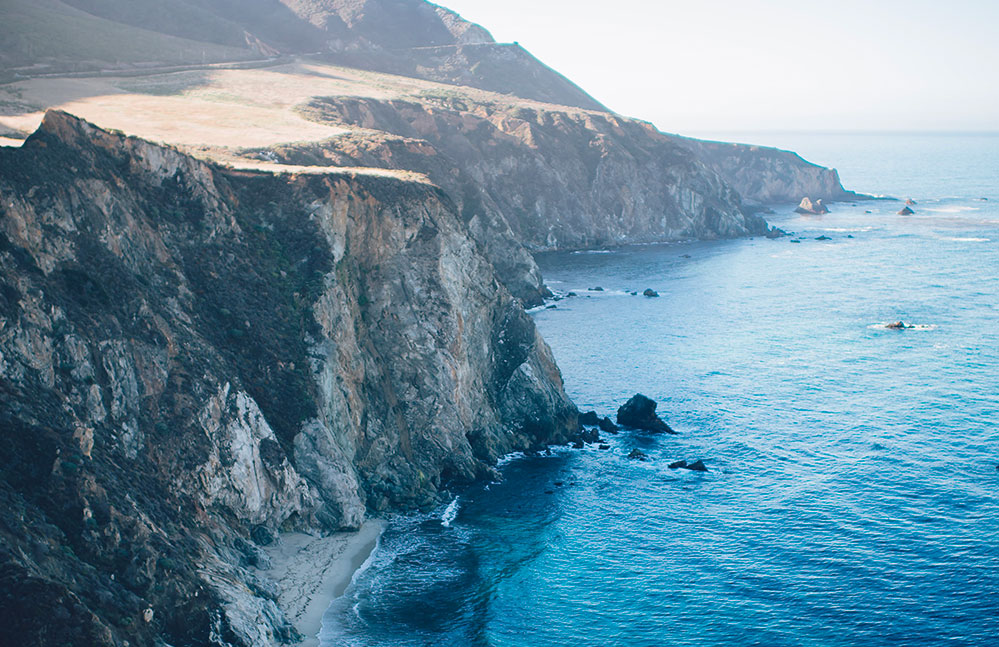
(450, 512)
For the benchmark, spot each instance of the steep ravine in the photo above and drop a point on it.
(193, 358)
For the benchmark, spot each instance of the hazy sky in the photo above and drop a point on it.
(731, 65)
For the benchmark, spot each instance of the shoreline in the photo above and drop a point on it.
(312, 571)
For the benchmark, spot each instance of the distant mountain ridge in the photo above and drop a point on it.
(407, 37)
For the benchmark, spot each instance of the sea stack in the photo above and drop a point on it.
(812, 208)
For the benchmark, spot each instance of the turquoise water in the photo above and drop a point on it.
(853, 497)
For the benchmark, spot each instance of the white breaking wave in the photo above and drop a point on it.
(450, 513)
(966, 239)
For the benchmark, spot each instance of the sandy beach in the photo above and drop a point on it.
(311, 571)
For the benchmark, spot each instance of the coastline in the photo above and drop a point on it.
(312, 571)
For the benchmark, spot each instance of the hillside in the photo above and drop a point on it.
(408, 37)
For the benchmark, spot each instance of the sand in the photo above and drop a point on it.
(312, 571)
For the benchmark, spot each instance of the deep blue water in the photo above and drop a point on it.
(853, 497)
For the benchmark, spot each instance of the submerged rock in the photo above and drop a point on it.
(638, 455)
(812, 208)
(649, 292)
(640, 413)
(823, 238)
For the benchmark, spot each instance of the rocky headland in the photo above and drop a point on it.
(193, 359)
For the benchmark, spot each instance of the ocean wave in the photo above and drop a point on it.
(450, 513)
(847, 230)
(954, 209)
(594, 251)
(965, 239)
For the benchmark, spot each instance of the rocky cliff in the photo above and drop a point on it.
(559, 179)
(764, 175)
(193, 358)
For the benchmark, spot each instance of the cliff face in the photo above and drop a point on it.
(192, 358)
(765, 175)
(560, 179)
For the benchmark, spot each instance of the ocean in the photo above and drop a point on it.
(853, 491)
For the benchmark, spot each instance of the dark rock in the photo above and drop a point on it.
(559, 483)
(849, 235)
(577, 444)
(868, 212)
(596, 289)
(677, 465)
(823, 238)
(649, 292)
(638, 455)
(696, 466)
(589, 418)
(775, 232)
(606, 425)
(640, 413)
(604, 446)
(262, 536)
(686, 256)
(589, 435)
(906, 211)
(795, 241)
(551, 307)
(549, 491)
(634, 294)
(571, 294)
(898, 325)
(812, 208)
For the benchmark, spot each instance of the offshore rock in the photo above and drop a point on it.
(640, 413)
(906, 211)
(649, 292)
(193, 358)
(638, 455)
(814, 208)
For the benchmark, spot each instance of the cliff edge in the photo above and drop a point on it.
(194, 358)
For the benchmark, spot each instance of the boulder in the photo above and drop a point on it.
(823, 238)
(589, 418)
(606, 425)
(649, 292)
(638, 455)
(906, 211)
(696, 466)
(604, 446)
(677, 465)
(813, 208)
(640, 413)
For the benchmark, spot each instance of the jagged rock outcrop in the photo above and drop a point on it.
(559, 179)
(764, 175)
(192, 357)
(816, 208)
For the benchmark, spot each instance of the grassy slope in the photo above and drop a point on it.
(52, 32)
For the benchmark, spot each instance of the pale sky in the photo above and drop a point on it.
(742, 65)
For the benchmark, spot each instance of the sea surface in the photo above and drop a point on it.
(853, 491)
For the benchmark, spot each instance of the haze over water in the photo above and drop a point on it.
(853, 497)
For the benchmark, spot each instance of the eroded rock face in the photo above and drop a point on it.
(193, 357)
(764, 175)
(558, 179)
